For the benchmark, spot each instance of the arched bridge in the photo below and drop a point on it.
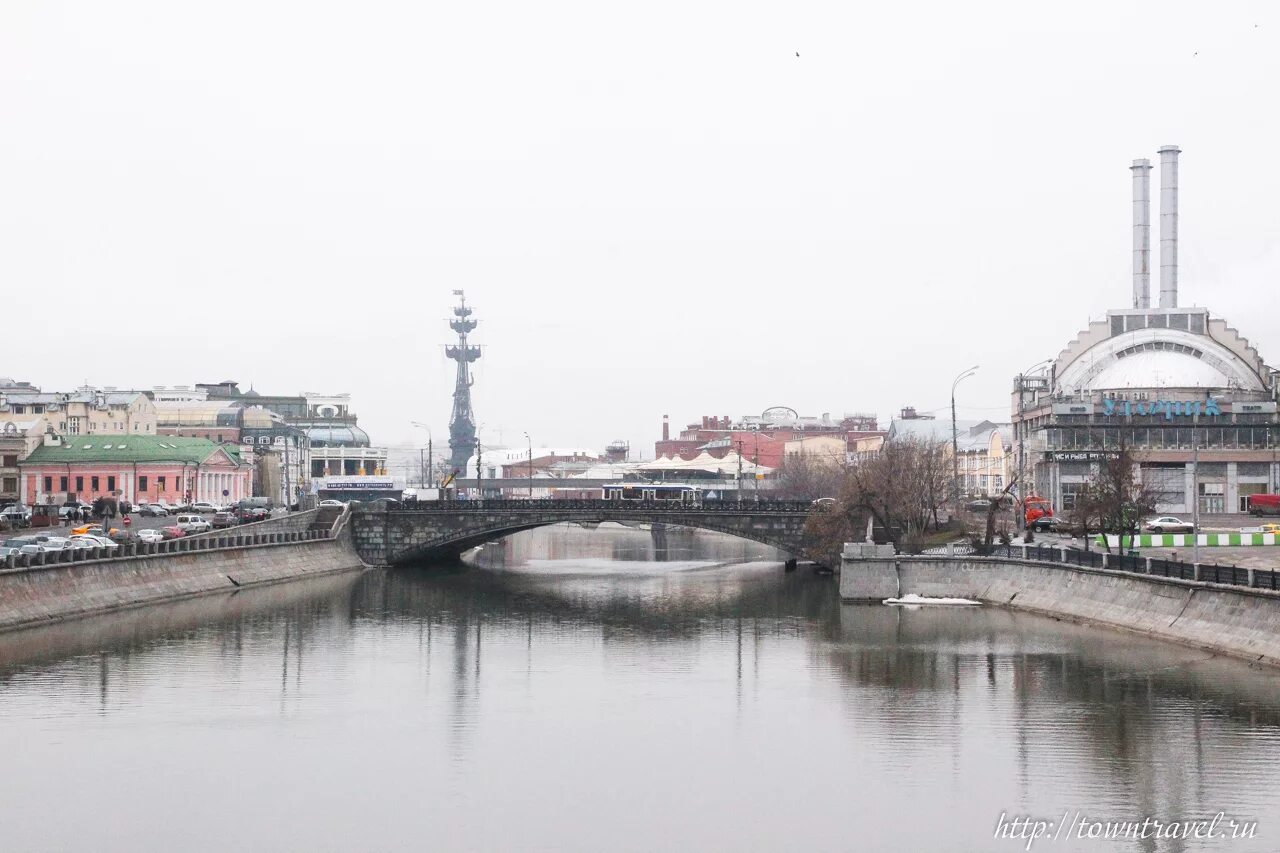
(407, 534)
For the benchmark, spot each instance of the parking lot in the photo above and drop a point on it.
(136, 522)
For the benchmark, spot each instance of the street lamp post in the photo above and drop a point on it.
(1022, 442)
(955, 440)
(530, 440)
(428, 478)
(1194, 497)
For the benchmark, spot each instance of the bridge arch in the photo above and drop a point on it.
(443, 529)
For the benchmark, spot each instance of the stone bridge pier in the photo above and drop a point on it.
(435, 530)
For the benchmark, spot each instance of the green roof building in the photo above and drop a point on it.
(136, 468)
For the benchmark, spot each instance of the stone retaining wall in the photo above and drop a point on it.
(60, 590)
(281, 524)
(1237, 621)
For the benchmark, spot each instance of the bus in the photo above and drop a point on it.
(652, 492)
(1264, 504)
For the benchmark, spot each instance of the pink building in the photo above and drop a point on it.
(139, 469)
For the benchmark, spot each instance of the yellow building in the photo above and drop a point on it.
(829, 450)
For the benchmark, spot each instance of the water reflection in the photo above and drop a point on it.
(575, 694)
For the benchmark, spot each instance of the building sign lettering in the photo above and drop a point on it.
(1081, 455)
(1168, 408)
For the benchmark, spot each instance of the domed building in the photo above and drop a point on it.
(1171, 383)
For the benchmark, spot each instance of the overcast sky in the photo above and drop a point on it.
(654, 208)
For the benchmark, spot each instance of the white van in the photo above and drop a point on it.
(193, 523)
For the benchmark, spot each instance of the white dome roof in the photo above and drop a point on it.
(1157, 358)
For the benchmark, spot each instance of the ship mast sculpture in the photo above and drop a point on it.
(462, 424)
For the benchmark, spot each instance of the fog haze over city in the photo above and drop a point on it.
(670, 209)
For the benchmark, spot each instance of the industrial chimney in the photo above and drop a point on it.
(1169, 226)
(1141, 233)
(666, 427)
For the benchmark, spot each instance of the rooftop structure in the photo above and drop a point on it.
(762, 438)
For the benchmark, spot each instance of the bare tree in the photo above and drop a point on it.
(807, 476)
(1116, 497)
(994, 504)
(899, 490)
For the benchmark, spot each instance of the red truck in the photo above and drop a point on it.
(1035, 507)
(1264, 504)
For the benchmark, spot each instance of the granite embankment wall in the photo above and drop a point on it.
(296, 521)
(1231, 620)
(39, 594)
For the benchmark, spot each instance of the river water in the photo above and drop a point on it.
(595, 691)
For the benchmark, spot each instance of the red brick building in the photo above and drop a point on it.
(760, 438)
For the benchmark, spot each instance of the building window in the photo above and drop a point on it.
(48, 484)
(62, 484)
(79, 484)
(93, 484)
(111, 484)
(160, 484)
(142, 483)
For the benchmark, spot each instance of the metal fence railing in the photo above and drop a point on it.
(1131, 562)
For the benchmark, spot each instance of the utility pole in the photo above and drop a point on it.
(1021, 503)
(756, 462)
(739, 472)
(530, 440)
(955, 441)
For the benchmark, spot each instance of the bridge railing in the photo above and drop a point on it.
(508, 504)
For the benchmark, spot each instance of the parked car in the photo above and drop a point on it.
(172, 532)
(223, 519)
(93, 530)
(206, 508)
(53, 543)
(96, 541)
(1051, 524)
(152, 511)
(193, 524)
(17, 515)
(1169, 524)
(1271, 528)
(250, 514)
(74, 511)
(149, 535)
(331, 502)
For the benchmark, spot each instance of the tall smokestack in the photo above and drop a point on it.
(1141, 233)
(666, 427)
(1169, 226)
